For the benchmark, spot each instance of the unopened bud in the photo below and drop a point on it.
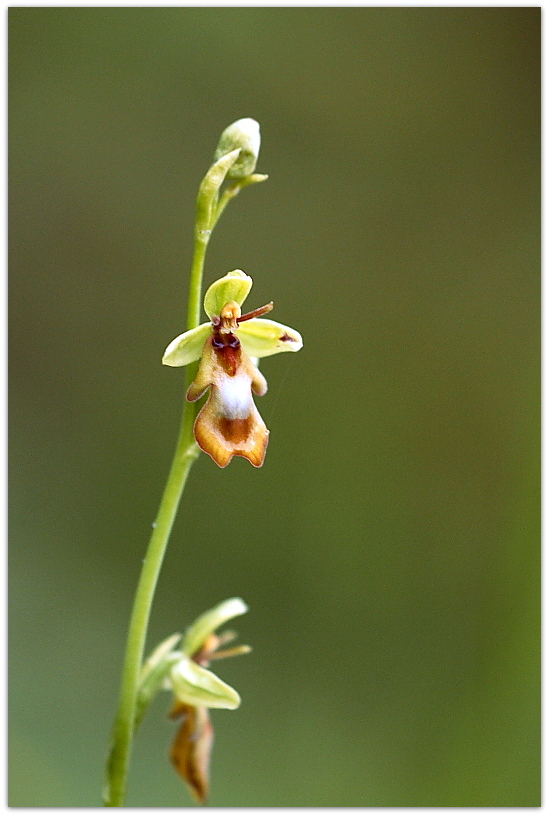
(244, 133)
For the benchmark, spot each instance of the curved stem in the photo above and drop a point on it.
(186, 452)
(123, 731)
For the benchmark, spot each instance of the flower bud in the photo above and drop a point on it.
(243, 134)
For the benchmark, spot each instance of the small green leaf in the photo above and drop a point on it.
(206, 624)
(187, 347)
(261, 337)
(234, 285)
(196, 686)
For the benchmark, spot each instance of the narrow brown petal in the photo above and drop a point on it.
(191, 748)
(204, 375)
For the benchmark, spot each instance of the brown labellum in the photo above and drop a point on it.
(191, 748)
(229, 424)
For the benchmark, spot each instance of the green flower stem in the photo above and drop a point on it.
(185, 453)
(124, 726)
(201, 240)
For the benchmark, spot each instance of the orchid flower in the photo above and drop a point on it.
(228, 347)
(196, 689)
(183, 670)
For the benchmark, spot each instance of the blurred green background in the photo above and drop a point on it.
(389, 548)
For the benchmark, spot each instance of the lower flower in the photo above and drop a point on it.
(196, 689)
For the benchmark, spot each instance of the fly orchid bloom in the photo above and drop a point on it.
(196, 689)
(228, 346)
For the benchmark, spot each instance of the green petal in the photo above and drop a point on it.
(234, 285)
(261, 338)
(207, 623)
(187, 347)
(196, 686)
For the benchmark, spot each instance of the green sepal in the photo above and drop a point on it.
(261, 337)
(187, 347)
(234, 285)
(196, 686)
(206, 624)
(153, 673)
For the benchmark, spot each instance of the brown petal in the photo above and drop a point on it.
(191, 748)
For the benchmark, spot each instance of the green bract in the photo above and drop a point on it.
(259, 337)
(209, 190)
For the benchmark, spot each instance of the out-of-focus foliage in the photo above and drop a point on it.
(389, 547)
